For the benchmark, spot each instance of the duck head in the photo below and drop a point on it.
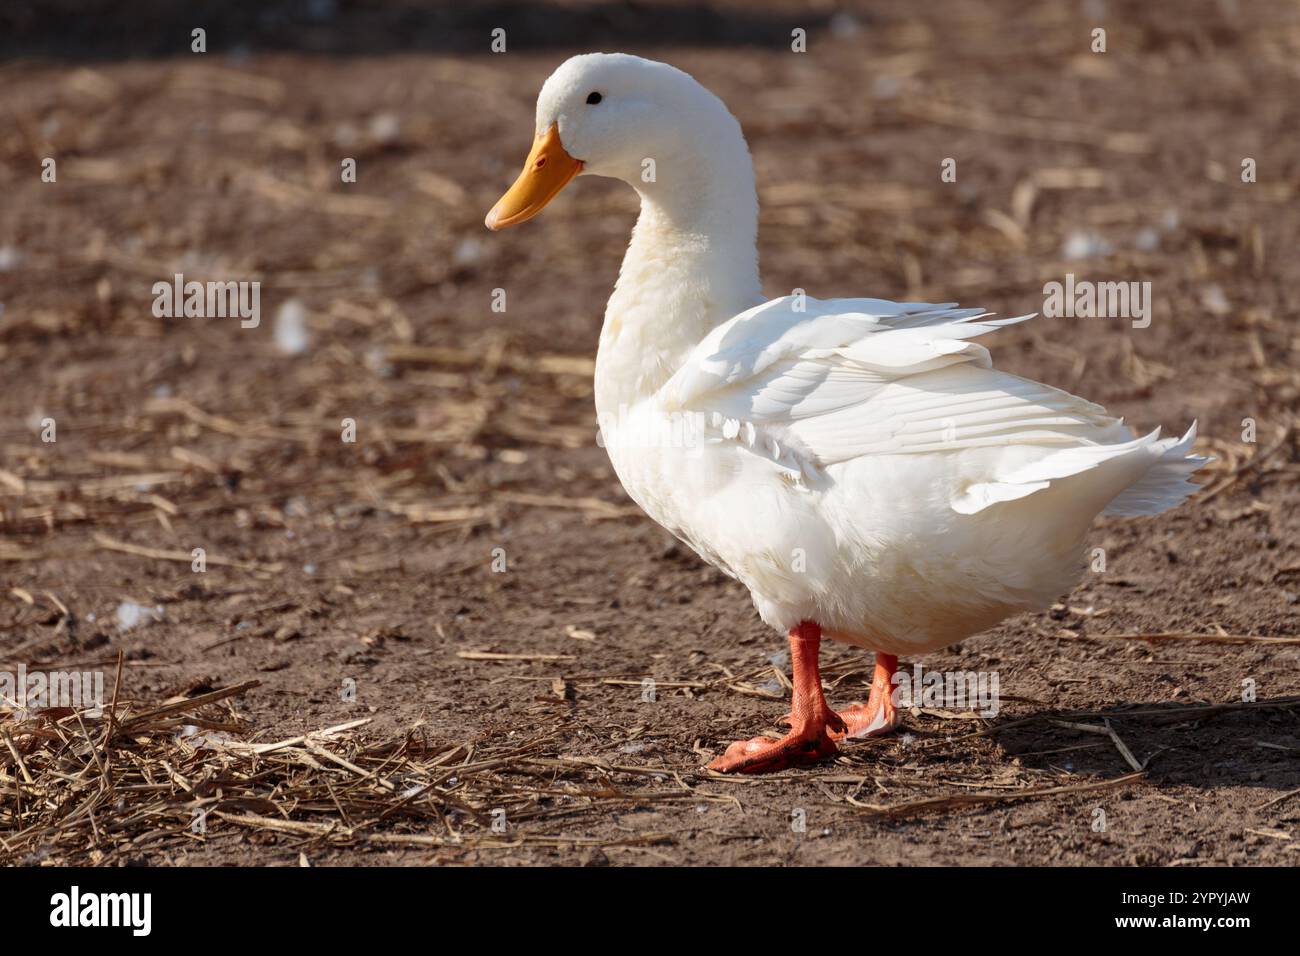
(612, 114)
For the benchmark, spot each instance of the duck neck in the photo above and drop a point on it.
(691, 264)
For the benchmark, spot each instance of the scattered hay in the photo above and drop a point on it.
(78, 790)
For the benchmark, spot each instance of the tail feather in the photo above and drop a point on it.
(1166, 483)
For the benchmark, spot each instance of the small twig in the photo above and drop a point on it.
(1158, 636)
(125, 547)
(1123, 748)
(1277, 800)
(971, 799)
(190, 703)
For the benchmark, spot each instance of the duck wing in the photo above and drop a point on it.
(810, 383)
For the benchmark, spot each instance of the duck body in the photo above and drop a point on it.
(896, 550)
(858, 464)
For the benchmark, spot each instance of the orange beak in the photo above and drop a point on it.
(547, 170)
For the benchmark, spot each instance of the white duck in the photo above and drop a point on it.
(858, 464)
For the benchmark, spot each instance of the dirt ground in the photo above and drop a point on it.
(370, 564)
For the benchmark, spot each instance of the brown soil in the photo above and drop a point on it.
(372, 561)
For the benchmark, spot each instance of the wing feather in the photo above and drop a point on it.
(852, 377)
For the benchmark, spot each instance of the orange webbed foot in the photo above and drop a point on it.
(869, 720)
(805, 744)
(879, 715)
(814, 727)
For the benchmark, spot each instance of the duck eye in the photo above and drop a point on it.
(593, 99)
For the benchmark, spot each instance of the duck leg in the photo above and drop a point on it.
(878, 715)
(810, 717)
